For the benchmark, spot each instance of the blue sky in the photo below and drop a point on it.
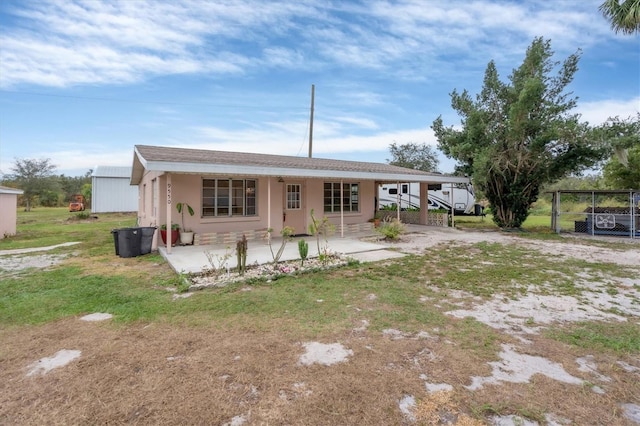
(82, 82)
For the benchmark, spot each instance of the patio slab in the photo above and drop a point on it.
(193, 259)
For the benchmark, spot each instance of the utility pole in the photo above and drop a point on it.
(313, 91)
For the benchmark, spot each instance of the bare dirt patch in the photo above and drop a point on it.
(155, 374)
(230, 374)
(571, 247)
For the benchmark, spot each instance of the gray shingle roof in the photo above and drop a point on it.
(183, 160)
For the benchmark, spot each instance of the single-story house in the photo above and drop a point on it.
(8, 210)
(236, 193)
(111, 191)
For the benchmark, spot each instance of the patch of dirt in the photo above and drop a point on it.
(223, 374)
(10, 265)
(573, 247)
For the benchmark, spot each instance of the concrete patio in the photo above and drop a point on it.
(192, 259)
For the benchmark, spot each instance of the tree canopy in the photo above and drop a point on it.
(519, 135)
(33, 177)
(624, 15)
(414, 156)
(622, 137)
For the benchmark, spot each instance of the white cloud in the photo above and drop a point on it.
(62, 42)
(597, 112)
(292, 139)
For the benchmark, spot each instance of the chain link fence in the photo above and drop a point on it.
(601, 212)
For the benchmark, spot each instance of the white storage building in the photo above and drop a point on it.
(8, 210)
(111, 190)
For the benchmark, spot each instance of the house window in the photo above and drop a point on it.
(228, 197)
(350, 197)
(294, 191)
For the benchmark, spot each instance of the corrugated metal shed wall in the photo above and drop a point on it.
(111, 192)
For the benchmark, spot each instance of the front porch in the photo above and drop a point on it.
(358, 245)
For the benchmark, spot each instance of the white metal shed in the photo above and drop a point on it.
(112, 191)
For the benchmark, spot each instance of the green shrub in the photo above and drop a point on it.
(391, 229)
(303, 250)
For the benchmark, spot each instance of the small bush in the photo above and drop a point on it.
(391, 229)
(303, 250)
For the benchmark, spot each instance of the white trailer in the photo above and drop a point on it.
(440, 196)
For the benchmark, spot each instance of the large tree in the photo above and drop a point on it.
(624, 15)
(622, 137)
(34, 177)
(519, 135)
(414, 156)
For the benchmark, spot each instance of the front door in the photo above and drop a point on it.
(294, 215)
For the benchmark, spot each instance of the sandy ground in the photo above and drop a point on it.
(572, 246)
(82, 371)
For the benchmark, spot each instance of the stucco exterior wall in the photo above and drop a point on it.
(186, 188)
(8, 214)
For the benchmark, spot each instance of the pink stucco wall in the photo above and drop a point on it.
(8, 214)
(188, 188)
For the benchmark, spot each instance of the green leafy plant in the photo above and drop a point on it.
(324, 227)
(181, 207)
(286, 233)
(183, 282)
(390, 208)
(391, 229)
(174, 227)
(303, 250)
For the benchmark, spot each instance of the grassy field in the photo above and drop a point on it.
(222, 353)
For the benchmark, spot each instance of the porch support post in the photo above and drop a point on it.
(399, 199)
(593, 213)
(342, 208)
(553, 211)
(631, 221)
(453, 208)
(269, 207)
(556, 211)
(169, 211)
(424, 204)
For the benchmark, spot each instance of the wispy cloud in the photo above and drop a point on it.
(234, 75)
(597, 112)
(62, 42)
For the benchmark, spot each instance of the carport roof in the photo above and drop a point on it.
(200, 161)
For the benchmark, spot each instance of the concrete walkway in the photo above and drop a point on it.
(34, 249)
(193, 259)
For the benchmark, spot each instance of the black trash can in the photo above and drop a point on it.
(115, 240)
(146, 239)
(129, 240)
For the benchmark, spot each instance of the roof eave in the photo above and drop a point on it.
(137, 170)
(246, 170)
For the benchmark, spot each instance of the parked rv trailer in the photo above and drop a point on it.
(440, 196)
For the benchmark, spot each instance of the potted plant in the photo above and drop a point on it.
(186, 235)
(375, 220)
(175, 232)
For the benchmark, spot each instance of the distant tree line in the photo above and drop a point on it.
(42, 186)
